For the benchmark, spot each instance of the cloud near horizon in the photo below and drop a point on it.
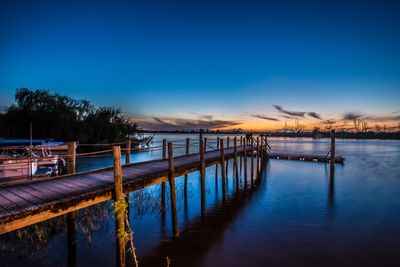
(172, 123)
(261, 116)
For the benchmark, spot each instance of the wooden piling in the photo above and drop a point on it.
(258, 155)
(252, 160)
(227, 162)
(164, 156)
(240, 158)
(71, 162)
(222, 157)
(128, 152)
(216, 167)
(236, 163)
(205, 144)
(171, 178)
(185, 182)
(332, 150)
(203, 178)
(119, 215)
(245, 162)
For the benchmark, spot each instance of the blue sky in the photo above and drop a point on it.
(174, 60)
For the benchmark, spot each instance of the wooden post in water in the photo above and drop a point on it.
(71, 217)
(205, 144)
(164, 156)
(252, 160)
(128, 152)
(171, 178)
(227, 162)
(236, 163)
(332, 150)
(223, 169)
(203, 178)
(240, 158)
(245, 162)
(216, 167)
(186, 176)
(120, 215)
(258, 155)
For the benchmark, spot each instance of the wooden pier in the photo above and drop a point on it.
(32, 201)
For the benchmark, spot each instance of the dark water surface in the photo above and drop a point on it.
(297, 214)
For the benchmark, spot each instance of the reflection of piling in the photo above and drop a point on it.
(171, 178)
(119, 213)
(203, 178)
(223, 177)
(164, 156)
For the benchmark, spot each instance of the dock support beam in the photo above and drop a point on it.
(185, 180)
(171, 178)
(203, 178)
(164, 156)
(216, 168)
(236, 163)
(222, 157)
(119, 214)
(333, 151)
(227, 162)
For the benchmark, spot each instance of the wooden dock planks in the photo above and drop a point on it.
(30, 202)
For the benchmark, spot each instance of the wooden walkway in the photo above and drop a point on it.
(34, 201)
(305, 157)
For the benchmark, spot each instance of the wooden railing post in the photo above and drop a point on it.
(200, 137)
(71, 162)
(333, 150)
(185, 182)
(164, 156)
(128, 152)
(171, 178)
(222, 156)
(119, 215)
(236, 163)
(203, 178)
(205, 144)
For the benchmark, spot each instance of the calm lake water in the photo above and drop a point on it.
(297, 215)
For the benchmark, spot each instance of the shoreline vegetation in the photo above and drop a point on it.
(58, 117)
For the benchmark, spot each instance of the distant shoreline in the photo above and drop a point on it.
(339, 135)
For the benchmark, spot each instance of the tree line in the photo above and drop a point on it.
(58, 117)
